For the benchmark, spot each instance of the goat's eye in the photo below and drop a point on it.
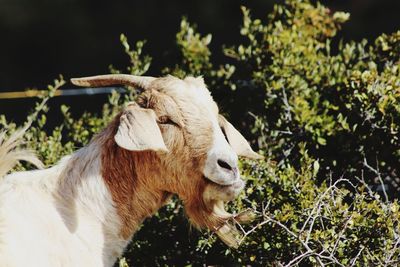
(166, 120)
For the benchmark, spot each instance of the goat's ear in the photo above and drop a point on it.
(237, 141)
(138, 130)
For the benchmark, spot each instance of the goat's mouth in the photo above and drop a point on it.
(223, 183)
(224, 223)
(216, 191)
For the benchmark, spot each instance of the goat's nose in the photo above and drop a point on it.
(227, 165)
(224, 164)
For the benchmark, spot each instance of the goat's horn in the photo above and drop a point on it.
(114, 79)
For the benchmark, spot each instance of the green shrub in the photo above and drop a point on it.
(341, 100)
(324, 112)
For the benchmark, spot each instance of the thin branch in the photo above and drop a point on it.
(378, 174)
(354, 260)
(392, 251)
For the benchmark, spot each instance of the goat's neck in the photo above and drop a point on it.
(131, 178)
(110, 184)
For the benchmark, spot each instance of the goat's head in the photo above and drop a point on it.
(196, 146)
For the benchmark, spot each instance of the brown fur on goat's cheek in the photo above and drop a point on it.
(121, 168)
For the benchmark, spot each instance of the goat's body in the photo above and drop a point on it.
(60, 216)
(84, 210)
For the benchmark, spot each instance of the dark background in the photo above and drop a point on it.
(41, 39)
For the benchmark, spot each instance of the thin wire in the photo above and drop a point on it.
(63, 92)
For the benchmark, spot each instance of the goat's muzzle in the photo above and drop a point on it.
(214, 191)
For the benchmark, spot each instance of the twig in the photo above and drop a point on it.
(378, 174)
(295, 236)
(341, 234)
(246, 233)
(353, 261)
(321, 198)
(299, 258)
(392, 251)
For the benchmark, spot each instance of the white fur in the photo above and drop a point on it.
(62, 216)
(221, 150)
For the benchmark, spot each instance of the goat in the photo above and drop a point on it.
(84, 210)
